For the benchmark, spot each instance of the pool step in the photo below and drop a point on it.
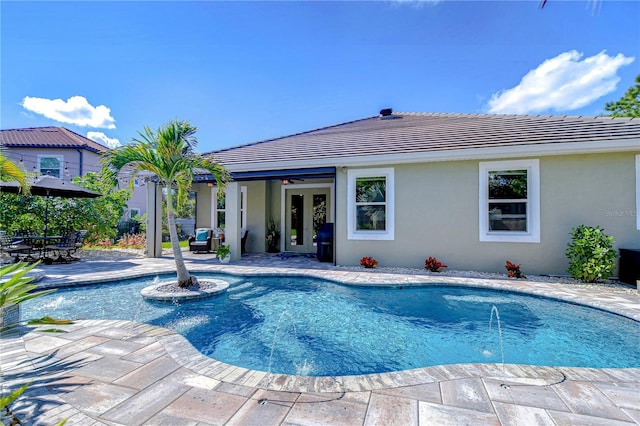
(243, 286)
(253, 291)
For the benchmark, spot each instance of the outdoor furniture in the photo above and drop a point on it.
(324, 241)
(49, 186)
(630, 266)
(64, 248)
(202, 241)
(244, 233)
(80, 237)
(27, 237)
(12, 246)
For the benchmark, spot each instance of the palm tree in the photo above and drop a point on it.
(169, 154)
(10, 171)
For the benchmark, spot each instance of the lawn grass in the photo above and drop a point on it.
(167, 244)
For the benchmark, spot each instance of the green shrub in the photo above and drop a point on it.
(15, 287)
(591, 254)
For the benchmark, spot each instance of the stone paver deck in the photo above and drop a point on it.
(121, 372)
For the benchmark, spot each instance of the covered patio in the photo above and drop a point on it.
(298, 201)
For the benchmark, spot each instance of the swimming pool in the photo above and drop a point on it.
(295, 325)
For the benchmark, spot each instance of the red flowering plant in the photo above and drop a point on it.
(432, 264)
(513, 270)
(132, 241)
(368, 262)
(106, 243)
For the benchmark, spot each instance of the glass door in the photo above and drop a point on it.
(306, 212)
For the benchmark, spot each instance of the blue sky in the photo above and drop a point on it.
(247, 71)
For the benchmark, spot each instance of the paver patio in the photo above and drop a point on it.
(121, 372)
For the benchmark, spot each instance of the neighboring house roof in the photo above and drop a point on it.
(47, 137)
(418, 137)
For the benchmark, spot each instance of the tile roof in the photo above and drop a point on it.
(47, 137)
(407, 135)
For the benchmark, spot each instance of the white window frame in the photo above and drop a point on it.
(215, 210)
(60, 159)
(532, 235)
(352, 232)
(638, 192)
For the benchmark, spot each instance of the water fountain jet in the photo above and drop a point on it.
(494, 309)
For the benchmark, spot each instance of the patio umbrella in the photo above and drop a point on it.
(49, 186)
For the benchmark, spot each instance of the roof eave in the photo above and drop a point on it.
(48, 146)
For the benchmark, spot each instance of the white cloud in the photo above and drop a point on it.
(75, 110)
(563, 83)
(103, 139)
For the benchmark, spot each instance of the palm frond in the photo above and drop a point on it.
(10, 171)
(168, 153)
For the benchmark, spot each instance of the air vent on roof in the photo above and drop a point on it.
(387, 114)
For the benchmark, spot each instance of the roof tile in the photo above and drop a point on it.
(48, 137)
(413, 133)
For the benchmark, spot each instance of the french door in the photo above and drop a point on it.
(306, 210)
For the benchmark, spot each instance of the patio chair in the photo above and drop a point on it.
(64, 248)
(244, 233)
(27, 238)
(80, 237)
(201, 241)
(13, 247)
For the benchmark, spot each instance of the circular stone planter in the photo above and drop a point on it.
(170, 292)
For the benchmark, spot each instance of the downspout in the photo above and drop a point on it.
(80, 155)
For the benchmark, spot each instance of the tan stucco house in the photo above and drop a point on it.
(62, 153)
(472, 190)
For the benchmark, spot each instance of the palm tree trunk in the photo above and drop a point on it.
(184, 278)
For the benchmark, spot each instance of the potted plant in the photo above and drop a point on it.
(224, 253)
(272, 236)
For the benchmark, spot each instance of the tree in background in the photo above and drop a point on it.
(186, 210)
(628, 105)
(168, 153)
(99, 215)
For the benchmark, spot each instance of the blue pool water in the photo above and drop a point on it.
(314, 327)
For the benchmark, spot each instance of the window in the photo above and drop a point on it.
(50, 165)
(510, 201)
(221, 208)
(220, 212)
(371, 204)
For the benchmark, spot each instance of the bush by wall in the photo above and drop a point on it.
(591, 254)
